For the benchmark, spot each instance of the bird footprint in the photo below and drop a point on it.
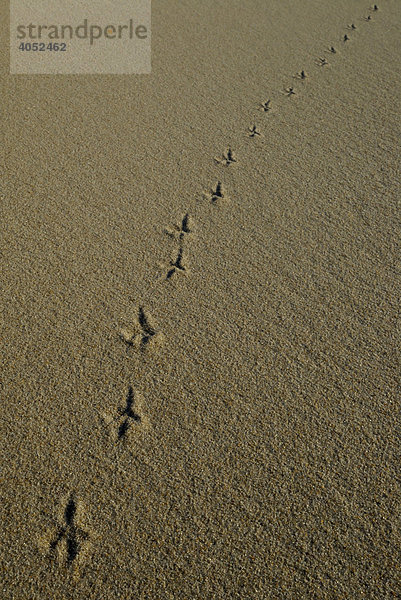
(265, 106)
(180, 232)
(144, 335)
(227, 159)
(254, 131)
(218, 195)
(130, 417)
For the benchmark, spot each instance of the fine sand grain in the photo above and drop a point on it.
(200, 312)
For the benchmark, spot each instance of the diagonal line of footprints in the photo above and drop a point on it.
(148, 334)
(69, 538)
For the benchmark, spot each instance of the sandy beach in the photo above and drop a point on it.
(200, 312)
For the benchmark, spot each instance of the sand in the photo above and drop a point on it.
(200, 372)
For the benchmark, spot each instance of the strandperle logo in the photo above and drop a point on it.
(85, 31)
(63, 37)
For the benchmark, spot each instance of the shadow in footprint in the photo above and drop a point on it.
(227, 159)
(73, 535)
(302, 75)
(253, 131)
(143, 334)
(218, 194)
(177, 265)
(148, 330)
(129, 413)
